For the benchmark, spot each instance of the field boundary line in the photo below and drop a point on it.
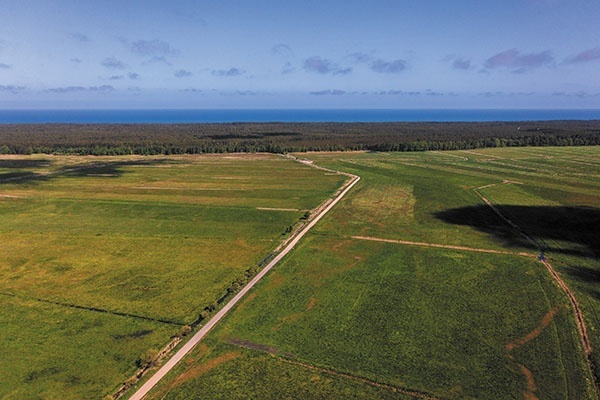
(443, 246)
(580, 322)
(198, 336)
(288, 359)
(93, 309)
(360, 379)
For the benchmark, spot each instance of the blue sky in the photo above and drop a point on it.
(300, 54)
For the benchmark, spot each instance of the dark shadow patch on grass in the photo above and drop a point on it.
(41, 373)
(588, 277)
(20, 163)
(113, 169)
(550, 227)
(21, 176)
(584, 274)
(135, 335)
(105, 169)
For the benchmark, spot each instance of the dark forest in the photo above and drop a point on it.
(153, 139)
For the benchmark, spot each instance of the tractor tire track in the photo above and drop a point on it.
(442, 246)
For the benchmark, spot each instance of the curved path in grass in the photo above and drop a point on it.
(585, 340)
(321, 211)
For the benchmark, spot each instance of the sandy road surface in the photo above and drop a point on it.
(142, 391)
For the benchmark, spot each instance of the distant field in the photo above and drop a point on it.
(105, 258)
(344, 316)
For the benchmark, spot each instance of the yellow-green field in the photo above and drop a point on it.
(105, 258)
(413, 287)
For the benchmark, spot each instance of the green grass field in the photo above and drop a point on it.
(344, 317)
(103, 258)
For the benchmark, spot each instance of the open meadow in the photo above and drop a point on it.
(417, 286)
(106, 258)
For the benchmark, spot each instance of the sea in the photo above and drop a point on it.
(181, 116)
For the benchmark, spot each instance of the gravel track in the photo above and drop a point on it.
(187, 347)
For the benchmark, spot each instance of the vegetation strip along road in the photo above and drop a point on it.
(585, 340)
(146, 387)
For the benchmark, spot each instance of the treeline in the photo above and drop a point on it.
(155, 139)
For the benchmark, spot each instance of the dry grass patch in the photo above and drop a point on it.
(380, 204)
(205, 367)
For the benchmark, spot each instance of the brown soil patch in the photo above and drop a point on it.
(277, 279)
(534, 333)
(338, 246)
(241, 243)
(293, 317)
(311, 303)
(197, 371)
(254, 346)
(529, 392)
(531, 388)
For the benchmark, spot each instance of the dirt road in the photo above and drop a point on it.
(142, 391)
(585, 340)
(442, 246)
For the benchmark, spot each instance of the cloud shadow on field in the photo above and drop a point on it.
(20, 163)
(550, 227)
(97, 169)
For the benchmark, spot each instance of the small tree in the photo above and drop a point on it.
(148, 359)
(185, 330)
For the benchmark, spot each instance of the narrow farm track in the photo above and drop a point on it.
(178, 356)
(581, 327)
(442, 246)
(577, 310)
